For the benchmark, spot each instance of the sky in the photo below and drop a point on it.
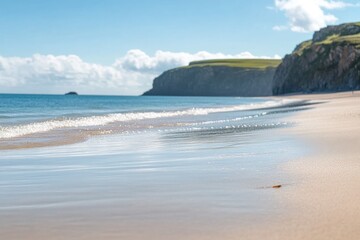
(118, 47)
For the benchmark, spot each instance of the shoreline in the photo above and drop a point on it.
(322, 203)
(201, 185)
(318, 198)
(60, 130)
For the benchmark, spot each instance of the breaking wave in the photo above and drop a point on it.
(7, 132)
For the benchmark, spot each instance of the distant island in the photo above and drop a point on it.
(71, 93)
(330, 61)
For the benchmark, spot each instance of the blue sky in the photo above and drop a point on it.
(103, 32)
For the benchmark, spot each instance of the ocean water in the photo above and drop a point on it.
(44, 120)
(108, 167)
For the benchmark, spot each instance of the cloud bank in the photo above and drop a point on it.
(131, 74)
(308, 15)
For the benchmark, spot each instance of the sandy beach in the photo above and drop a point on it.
(322, 202)
(328, 193)
(318, 198)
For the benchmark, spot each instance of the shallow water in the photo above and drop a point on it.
(28, 121)
(186, 177)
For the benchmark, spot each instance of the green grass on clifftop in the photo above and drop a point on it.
(352, 39)
(240, 63)
(335, 38)
(302, 46)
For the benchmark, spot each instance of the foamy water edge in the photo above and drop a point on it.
(9, 132)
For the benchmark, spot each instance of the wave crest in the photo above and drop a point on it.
(102, 120)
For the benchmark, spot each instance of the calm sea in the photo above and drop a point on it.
(109, 167)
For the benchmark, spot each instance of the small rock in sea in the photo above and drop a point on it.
(71, 93)
(277, 186)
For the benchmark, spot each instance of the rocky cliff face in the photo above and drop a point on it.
(214, 81)
(328, 62)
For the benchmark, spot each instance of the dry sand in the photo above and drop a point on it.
(323, 201)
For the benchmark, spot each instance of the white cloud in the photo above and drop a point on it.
(131, 74)
(137, 60)
(308, 15)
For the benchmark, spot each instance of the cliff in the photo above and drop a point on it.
(232, 77)
(328, 62)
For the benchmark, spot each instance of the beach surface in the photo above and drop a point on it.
(322, 201)
(211, 186)
(170, 168)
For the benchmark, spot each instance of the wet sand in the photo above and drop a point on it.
(204, 184)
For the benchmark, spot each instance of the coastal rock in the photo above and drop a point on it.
(71, 93)
(341, 30)
(328, 62)
(215, 80)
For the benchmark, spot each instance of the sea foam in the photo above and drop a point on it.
(7, 132)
